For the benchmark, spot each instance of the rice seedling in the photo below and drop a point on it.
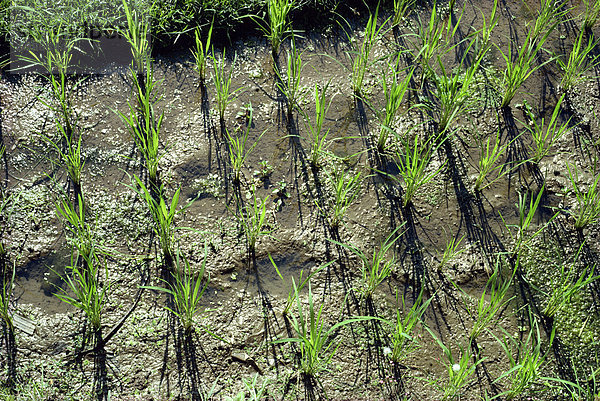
(318, 136)
(413, 159)
(238, 148)
(591, 14)
(588, 202)
(345, 189)
(565, 287)
(521, 65)
(55, 62)
(394, 93)
(582, 388)
(454, 92)
(491, 302)
(87, 288)
(521, 237)
(451, 251)
(82, 235)
(163, 216)
(581, 60)
(143, 126)
(289, 84)
(256, 392)
(526, 367)
(202, 52)
(277, 25)
(137, 34)
(186, 289)
(434, 39)
(402, 9)
(459, 370)
(69, 155)
(361, 55)
(222, 82)
(302, 280)
(316, 344)
(253, 222)
(488, 162)
(545, 137)
(375, 267)
(7, 280)
(403, 342)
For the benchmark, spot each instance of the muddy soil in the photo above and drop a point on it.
(150, 357)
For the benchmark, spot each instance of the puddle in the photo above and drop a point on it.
(290, 266)
(37, 281)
